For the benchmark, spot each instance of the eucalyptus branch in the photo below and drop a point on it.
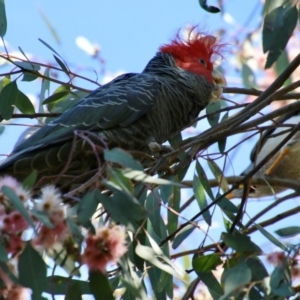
(254, 92)
(247, 231)
(11, 73)
(70, 85)
(273, 220)
(189, 293)
(293, 184)
(72, 74)
(271, 206)
(33, 116)
(288, 183)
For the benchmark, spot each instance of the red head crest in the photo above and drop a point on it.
(194, 52)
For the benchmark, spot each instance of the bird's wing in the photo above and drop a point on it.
(117, 103)
(269, 132)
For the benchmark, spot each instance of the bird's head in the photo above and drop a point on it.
(194, 54)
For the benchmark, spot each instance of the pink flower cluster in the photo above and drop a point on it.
(106, 246)
(12, 223)
(276, 258)
(52, 204)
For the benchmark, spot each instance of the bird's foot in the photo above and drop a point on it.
(156, 148)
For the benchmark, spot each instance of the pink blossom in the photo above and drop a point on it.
(51, 203)
(276, 258)
(107, 245)
(18, 292)
(50, 199)
(14, 222)
(13, 243)
(14, 185)
(9, 181)
(47, 236)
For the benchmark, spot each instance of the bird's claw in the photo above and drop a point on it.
(154, 147)
(157, 148)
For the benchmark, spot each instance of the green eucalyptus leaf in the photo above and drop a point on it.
(248, 76)
(288, 231)
(280, 281)
(100, 287)
(122, 208)
(48, 46)
(30, 180)
(166, 191)
(222, 142)
(29, 77)
(240, 242)
(201, 198)
(62, 65)
(148, 254)
(123, 158)
(207, 263)
(153, 207)
(3, 22)
(226, 204)
(8, 97)
(280, 65)
(117, 177)
(45, 88)
(27, 65)
(3, 253)
(141, 176)
(212, 284)
(43, 217)
(278, 27)
(165, 283)
(204, 180)
(182, 235)
(32, 271)
(213, 114)
(50, 27)
(174, 208)
(74, 291)
(271, 237)
(218, 175)
(87, 206)
(23, 103)
(236, 277)
(258, 270)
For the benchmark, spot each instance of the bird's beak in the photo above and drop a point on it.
(220, 82)
(218, 78)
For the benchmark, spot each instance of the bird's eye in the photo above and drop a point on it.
(202, 62)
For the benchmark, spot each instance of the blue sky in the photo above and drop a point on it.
(129, 32)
